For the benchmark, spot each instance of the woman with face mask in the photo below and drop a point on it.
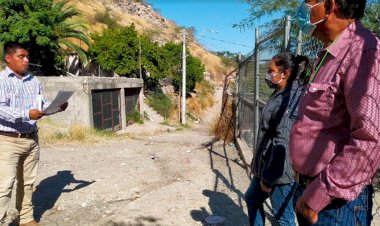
(273, 176)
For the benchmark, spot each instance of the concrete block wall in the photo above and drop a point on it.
(79, 110)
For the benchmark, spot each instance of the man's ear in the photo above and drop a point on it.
(6, 58)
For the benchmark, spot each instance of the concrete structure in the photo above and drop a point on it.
(80, 109)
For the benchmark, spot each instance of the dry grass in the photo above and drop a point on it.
(213, 63)
(52, 132)
(174, 114)
(223, 126)
(196, 105)
(204, 99)
(88, 9)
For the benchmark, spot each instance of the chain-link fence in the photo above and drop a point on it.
(253, 93)
(245, 108)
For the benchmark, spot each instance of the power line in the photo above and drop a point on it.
(218, 47)
(233, 43)
(173, 35)
(221, 48)
(203, 44)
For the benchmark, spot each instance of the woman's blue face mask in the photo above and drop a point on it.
(304, 22)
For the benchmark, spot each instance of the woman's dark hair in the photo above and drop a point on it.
(298, 65)
(351, 9)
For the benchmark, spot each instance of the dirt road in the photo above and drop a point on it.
(171, 178)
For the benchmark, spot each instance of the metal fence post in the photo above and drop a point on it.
(238, 105)
(257, 87)
(299, 43)
(287, 33)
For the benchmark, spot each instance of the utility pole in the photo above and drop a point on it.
(183, 105)
(140, 69)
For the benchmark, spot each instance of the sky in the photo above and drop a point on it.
(213, 21)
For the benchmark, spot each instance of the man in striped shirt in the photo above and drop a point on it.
(21, 105)
(334, 145)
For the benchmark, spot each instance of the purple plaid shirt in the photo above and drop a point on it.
(17, 97)
(336, 138)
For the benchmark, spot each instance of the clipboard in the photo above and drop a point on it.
(61, 98)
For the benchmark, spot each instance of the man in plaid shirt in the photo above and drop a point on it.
(334, 145)
(20, 100)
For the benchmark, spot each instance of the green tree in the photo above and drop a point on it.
(173, 56)
(43, 27)
(153, 59)
(230, 60)
(68, 30)
(194, 72)
(277, 10)
(117, 49)
(167, 62)
(263, 8)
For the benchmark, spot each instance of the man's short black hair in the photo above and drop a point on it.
(351, 9)
(11, 47)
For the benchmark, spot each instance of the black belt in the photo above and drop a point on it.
(18, 135)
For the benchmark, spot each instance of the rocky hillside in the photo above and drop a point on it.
(147, 21)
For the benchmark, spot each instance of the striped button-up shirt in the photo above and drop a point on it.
(336, 138)
(17, 97)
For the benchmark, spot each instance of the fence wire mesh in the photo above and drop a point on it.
(248, 98)
(246, 94)
(372, 16)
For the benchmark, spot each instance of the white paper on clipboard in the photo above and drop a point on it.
(39, 102)
(61, 98)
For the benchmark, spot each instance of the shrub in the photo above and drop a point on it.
(161, 103)
(134, 117)
(204, 99)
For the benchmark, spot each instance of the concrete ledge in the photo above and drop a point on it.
(246, 154)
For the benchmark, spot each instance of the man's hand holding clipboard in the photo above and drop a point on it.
(59, 103)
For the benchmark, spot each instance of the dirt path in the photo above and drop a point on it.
(172, 178)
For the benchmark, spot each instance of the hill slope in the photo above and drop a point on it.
(150, 22)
